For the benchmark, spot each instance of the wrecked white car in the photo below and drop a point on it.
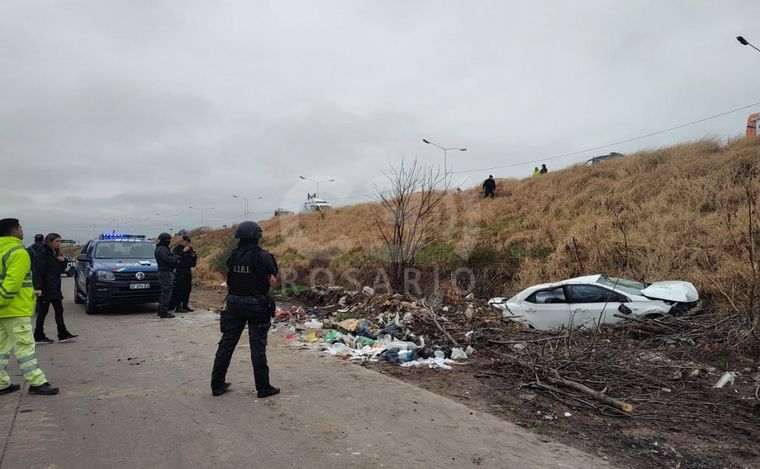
(586, 301)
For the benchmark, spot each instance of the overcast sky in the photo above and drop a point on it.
(113, 111)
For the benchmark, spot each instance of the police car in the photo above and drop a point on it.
(116, 268)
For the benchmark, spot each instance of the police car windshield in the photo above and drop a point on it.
(124, 250)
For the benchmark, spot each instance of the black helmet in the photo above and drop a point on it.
(164, 237)
(248, 230)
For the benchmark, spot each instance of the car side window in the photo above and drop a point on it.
(594, 294)
(554, 295)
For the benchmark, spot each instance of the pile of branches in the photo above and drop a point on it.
(660, 371)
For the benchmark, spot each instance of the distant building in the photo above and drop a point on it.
(315, 204)
(282, 212)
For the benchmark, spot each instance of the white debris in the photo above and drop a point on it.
(727, 378)
(313, 324)
(458, 354)
(442, 363)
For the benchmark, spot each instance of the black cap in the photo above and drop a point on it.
(164, 237)
(38, 238)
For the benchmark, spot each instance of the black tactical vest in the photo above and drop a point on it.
(246, 273)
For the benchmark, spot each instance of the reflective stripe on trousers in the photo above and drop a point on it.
(16, 334)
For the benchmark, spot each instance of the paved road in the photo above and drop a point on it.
(135, 393)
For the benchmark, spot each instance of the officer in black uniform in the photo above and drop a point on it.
(489, 186)
(183, 276)
(250, 272)
(167, 262)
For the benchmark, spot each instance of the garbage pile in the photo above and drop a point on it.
(365, 326)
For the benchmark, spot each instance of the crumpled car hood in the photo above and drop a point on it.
(672, 290)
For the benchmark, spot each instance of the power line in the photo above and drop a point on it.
(565, 155)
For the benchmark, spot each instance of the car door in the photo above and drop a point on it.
(83, 267)
(592, 304)
(546, 309)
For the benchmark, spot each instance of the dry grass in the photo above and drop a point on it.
(672, 213)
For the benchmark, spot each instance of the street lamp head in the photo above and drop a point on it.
(426, 141)
(462, 149)
(302, 177)
(235, 196)
(259, 197)
(331, 180)
(742, 41)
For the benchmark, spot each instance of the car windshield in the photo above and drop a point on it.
(124, 250)
(632, 287)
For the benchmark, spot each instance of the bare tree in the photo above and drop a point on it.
(409, 207)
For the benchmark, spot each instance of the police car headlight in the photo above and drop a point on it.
(105, 275)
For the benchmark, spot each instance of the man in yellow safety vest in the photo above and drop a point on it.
(17, 299)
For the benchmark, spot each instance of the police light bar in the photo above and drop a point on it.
(120, 236)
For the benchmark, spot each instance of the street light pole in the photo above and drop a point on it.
(745, 42)
(201, 209)
(445, 154)
(316, 182)
(166, 217)
(246, 202)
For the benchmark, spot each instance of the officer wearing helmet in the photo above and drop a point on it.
(167, 262)
(250, 272)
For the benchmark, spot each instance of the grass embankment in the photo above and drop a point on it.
(674, 213)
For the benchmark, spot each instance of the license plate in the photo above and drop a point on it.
(139, 286)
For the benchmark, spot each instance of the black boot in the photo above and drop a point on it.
(165, 314)
(271, 391)
(223, 389)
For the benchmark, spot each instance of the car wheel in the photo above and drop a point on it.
(89, 306)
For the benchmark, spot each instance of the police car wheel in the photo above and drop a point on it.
(89, 306)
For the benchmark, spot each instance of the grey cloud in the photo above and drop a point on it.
(113, 111)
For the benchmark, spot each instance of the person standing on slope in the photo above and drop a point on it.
(489, 187)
